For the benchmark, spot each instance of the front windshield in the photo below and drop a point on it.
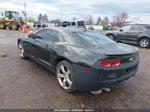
(94, 38)
(11, 14)
(15, 14)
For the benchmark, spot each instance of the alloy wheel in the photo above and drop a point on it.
(64, 76)
(144, 43)
(21, 50)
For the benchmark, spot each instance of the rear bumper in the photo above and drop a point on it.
(95, 79)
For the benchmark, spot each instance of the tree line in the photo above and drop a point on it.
(89, 21)
(119, 20)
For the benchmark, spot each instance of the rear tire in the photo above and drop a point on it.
(111, 36)
(144, 43)
(65, 76)
(2, 25)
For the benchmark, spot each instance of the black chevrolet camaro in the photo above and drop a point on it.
(81, 59)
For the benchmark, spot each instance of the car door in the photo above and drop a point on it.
(134, 33)
(123, 33)
(43, 45)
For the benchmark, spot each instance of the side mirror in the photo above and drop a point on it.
(31, 35)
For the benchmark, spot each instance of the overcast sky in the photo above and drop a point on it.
(138, 10)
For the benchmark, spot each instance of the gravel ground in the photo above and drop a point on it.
(25, 84)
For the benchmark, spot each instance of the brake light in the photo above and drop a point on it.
(115, 62)
(105, 62)
(86, 68)
(110, 62)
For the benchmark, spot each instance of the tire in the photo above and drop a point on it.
(111, 36)
(65, 76)
(144, 43)
(10, 28)
(14, 26)
(2, 25)
(21, 51)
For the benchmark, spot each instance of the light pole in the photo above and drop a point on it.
(25, 13)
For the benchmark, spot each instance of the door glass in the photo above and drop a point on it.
(136, 29)
(47, 35)
(126, 28)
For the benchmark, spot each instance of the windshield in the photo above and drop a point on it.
(15, 14)
(11, 14)
(93, 38)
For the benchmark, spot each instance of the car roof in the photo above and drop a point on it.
(144, 25)
(70, 29)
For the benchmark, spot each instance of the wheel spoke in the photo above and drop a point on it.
(64, 83)
(68, 73)
(69, 82)
(61, 75)
(62, 69)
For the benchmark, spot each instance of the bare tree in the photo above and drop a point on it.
(120, 19)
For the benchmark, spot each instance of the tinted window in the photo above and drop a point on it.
(92, 38)
(47, 35)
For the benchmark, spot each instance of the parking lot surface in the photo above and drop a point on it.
(24, 84)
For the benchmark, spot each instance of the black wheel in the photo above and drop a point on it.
(2, 25)
(21, 51)
(14, 26)
(10, 28)
(111, 36)
(144, 43)
(65, 76)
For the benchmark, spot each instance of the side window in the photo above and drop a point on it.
(126, 28)
(49, 35)
(137, 28)
(41, 35)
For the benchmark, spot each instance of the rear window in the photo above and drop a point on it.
(93, 38)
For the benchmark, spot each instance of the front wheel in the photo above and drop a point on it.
(2, 25)
(21, 51)
(144, 43)
(14, 26)
(65, 76)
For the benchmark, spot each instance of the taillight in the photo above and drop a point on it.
(115, 62)
(110, 62)
(105, 62)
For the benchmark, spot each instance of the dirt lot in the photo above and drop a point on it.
(26, 84)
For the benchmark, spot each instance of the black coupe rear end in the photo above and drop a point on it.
(82, 60)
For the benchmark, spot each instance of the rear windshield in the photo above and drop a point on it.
(93, 38)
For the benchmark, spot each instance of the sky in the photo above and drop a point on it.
(138, 10)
